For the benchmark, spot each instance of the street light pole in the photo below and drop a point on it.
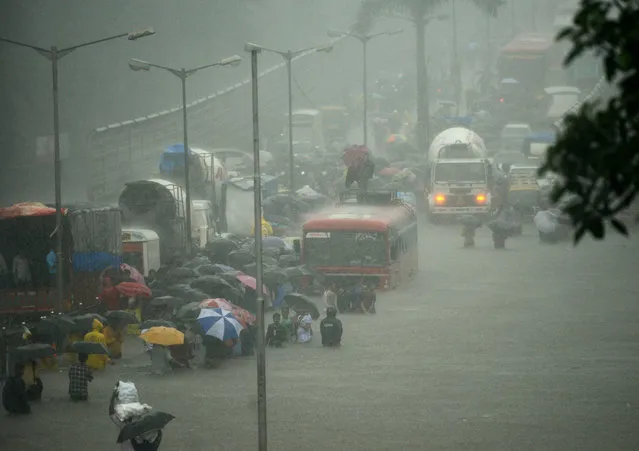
(187, 181)
(257, 190)
(456, 68)
(363, 38)
(53, 54)
(288, 56)
(291, 154)
(365, 88)
(57, 173)
(140, 65)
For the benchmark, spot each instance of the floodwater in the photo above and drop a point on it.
(531, 348)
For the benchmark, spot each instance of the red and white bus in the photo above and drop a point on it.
(376, 243)
(534, 60)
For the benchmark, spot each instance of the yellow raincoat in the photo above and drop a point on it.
(267, 230)
(96, 361)
(114, 339)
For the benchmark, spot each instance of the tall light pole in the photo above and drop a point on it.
(456, 67)
(257, 190)
(140, 65)
(288, 56)
(54, 54)
(363, 38)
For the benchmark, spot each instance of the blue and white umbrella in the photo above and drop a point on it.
(219, 323)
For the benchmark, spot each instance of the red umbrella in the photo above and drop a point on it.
(135, 274)
(250, 282)
(132, 289)
(390, 171)
(243, 316)
(355, 155)
(27, 209)
(217, 303)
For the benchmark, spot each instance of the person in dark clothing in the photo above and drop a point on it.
(14, 393)
(276, 334)
(331, 329)
(247, 338)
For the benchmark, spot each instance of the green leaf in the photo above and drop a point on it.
(579, 234)
(596, 228)
(619, 226)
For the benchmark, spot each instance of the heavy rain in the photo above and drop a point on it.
(305, 224)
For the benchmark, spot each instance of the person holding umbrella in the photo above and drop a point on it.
(79, 377)
(14, 393)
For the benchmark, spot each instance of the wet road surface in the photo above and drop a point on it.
(532, 348)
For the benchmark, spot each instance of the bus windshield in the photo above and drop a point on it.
(341, 248)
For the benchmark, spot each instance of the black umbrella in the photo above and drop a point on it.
(187, 293)
(208, 270)
(302, 304)
(288, 260)
(274, 275)
(176, 275)
(151, 421)
(209, 284)
(250, 269)
(121, 317)
(54, 325)
(158, 292)
(85, 322)
(196, 262)
(88, 347)
(188, 311)
(221, 247)
(167, 301)
(156, 323)
(33, 351)
(238, 259)
(470, 221)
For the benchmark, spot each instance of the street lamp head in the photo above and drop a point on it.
(250, 47)
(335, 34)
(135, 35)
(231, 61)
(327, 48)
(138, 65)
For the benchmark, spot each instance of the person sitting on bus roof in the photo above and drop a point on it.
(331, 329)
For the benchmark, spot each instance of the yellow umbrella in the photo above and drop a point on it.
(163, 336)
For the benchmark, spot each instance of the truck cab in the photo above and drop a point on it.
(202, 223)
(459, 187)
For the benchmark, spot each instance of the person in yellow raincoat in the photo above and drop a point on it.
(267, 229)
(96, 361)
(114, 335)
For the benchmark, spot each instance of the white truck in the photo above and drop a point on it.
(460, 175)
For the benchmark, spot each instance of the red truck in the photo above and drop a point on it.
(91, 242)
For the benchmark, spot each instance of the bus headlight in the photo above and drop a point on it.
(440, 199)
(481, 199)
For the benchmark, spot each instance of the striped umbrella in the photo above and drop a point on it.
(219, 323)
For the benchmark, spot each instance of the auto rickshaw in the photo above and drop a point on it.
(524, 190)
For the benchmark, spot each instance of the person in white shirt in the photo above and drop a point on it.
(21, 272)
(305, 331)
(330, 297)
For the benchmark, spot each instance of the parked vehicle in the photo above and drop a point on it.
(141, 249)
(91, 243)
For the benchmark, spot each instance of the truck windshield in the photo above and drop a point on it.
(460, 172)
(345, 249)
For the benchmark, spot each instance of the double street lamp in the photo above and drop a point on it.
(54, 54)
(255, 50)
(363, 38)
(140, 65)
(288, 56)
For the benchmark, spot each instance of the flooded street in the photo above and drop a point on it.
(531, 348)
